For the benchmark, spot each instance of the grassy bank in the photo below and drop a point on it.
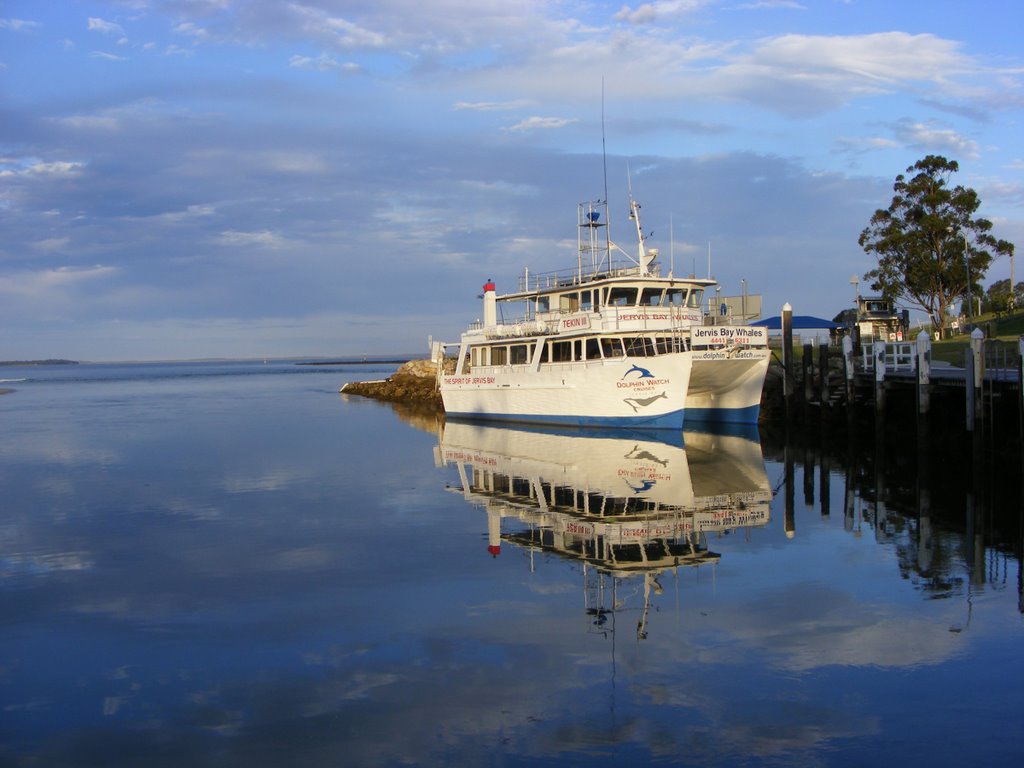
(1005, 327)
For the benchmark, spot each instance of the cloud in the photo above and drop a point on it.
(40, 284)
(18, 25)
(89, 122)
(51, 244)
(929, 137)
(805, 75)
(177, 50)
(761, 5)
(490, 106)
(34, 168)
(648, 13)
(262, 239)
(335, 30)
(324, 63)
(189, 29)
(104, 27)
(542, 123)
(107, 56)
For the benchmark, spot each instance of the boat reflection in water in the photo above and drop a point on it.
(627, 505)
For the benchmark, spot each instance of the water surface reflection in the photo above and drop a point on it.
(207, 567)
(624, 505)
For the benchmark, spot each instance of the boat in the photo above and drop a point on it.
(610, 342)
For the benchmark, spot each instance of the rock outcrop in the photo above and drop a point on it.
(414, 382)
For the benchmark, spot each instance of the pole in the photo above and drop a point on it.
(823, 372)
(970, 297)
(848, 369)
(1013, 295)
(879, 376)
(969, 388)
(1020, 385)
(924, 359)
(787, 355)
(808, 367)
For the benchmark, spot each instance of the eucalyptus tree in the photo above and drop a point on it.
(931, 249)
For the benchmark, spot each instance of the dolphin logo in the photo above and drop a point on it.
(643, 455)
(643, 402)
(644, 373)
(645, 486)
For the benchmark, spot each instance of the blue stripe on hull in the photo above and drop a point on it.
(746, 415)
(673, 420)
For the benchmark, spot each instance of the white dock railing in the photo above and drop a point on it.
(898, 355)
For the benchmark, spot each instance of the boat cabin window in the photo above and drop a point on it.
(622, 297)
(639, 347)
(675, 297)
(667, 344)
(585, 301)
(611, 347)
(543, 304)
(569, 302)
(519, 354)
(561, 351)
(499, 355)
(696, 296)
(651, 297)
(592, 349)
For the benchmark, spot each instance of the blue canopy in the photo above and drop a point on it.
(800, 323)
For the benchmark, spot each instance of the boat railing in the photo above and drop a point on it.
(540, 281)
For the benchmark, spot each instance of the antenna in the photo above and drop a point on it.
(604, 152)
(604, 164)
(671, 248)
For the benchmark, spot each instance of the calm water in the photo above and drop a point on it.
(232, 564)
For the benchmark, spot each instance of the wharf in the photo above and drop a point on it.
(899, 379)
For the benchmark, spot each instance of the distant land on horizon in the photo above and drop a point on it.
(298, 360)
(38, 362)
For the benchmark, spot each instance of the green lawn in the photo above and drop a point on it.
(1007, 328)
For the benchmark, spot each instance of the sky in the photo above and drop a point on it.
(186, 179)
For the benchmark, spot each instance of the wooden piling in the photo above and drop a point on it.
(808, 366)
(879, 376)
(1020, 388)
(789, 514)
(823, 394)
(978, 354)
(969, 394)
(924, 366)
(787, 357)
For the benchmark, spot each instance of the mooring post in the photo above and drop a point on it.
(969, 388)
(823, 372)
(879, 376)
(848, 370)
(808, 366)
(924, 371)
(1020, 385)
(789, 514)
(978, 353)
(787, 356)
(825, 483)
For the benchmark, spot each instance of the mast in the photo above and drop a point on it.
(592, 219)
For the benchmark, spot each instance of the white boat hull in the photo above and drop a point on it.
(726, 387)
(647, 392)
